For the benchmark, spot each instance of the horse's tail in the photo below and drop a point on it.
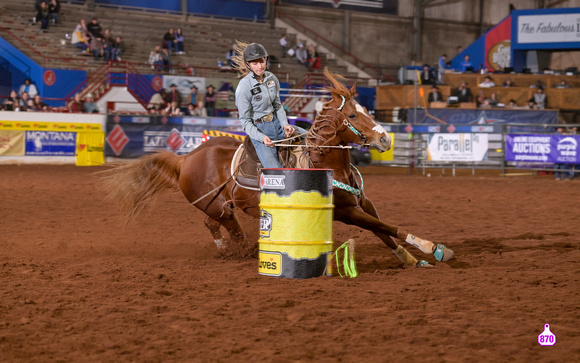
(135, 185)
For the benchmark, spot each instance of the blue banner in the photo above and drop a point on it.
(561, 149)
(460, 116)
(50, 143)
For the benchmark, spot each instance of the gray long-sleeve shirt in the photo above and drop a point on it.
(256, 100)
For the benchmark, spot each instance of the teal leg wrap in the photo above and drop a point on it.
(422, 263)
(442, 253)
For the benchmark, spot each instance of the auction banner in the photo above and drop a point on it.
(11, 143)
(562, 149)
(457, 147)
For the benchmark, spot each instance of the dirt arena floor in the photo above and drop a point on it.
(75, 286)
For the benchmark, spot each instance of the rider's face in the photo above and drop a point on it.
(258, 66)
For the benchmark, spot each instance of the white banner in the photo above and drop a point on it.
(551, 28)
(457, 147)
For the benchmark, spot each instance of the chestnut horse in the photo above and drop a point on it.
(206, 181)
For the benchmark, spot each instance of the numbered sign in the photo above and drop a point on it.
(547, 337)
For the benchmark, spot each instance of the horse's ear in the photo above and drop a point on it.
(353, 89)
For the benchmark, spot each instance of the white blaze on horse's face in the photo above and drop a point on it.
(384, 139)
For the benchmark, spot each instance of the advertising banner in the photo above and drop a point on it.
(562, 149)
(548, 28)
(11, 143)
(90, 148)
(498, 46)
(50, 143)
(457, 147)
(482, 117)
(49, 126)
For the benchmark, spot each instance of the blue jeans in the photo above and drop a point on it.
(564, 173)
(269, 155)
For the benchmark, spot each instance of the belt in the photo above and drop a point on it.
(269, 117)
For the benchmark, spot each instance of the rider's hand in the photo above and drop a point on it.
(268, 142)
(288, 130)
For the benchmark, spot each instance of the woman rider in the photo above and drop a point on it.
(258, 102)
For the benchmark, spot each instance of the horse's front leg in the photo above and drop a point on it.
(439, 251)
(357, 216)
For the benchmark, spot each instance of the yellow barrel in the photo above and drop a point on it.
(296, 209)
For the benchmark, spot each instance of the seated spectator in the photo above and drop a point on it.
(29, 88)
(481, 100)
(108, 36)
(42, 15)
(466, 65)
(562, 84)
(12, 103)
(487, 82)
(530, 106)
(508, 83)
(463, 93)
(90, 106)
(173, 109)
(173, 95)
(313, 57)
(493, 100)
(192, 96)
(427, 76)
(23, 102)
(30, 106)
(96, 47)
(107, 50)
(512, 104)
(53, 11)
(79, 36)
(117, 49)
(165, 59)
(169, 41)
(435, 95)
(196, 110)
(230, 56)
(539, 99)
(155, 58)
(77, 106)
(179, 41)
(157, 102)
(302, 55)
(94, 29)
(39, 105)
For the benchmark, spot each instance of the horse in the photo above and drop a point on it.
(207, 182)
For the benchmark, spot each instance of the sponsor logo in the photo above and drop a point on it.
(117, 139)
(272, 181)
(270, 263)
(175, 141)
(499, 55)
(265, 224)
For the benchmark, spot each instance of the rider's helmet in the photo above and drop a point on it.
(254, 51)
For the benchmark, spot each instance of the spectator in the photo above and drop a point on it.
(53, 11)
(96, 47)
(107, 50)
(24, 98)
(435, 95)
(512, 104)
(157, 102)
(562, 84)
(29, 88)
(463, 93)
(42, 15)
(230, 56)
(427, 76)
(481, 100)
(508, 83)
(564, 168)
(39, 105)
(196, 110)
(90, 106)
(466, 65)
(169, 41)
(531, 105)
(30, 106)
(302, 55)
(107, 35)
(79, 36)
(94, 29)
(441, 67)
(313, 57)
(487, 82)
(77, 105)
(165, 59)
(539, 98)
(210, 99)
(179, 41)
(283, 45)
(493, 101)
(538, 84)
(155, 58)
(173, 109)
(174, 95)
(192, 96)
(117, 49)
(319, 105)
(12, 103)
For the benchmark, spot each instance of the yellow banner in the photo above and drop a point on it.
(387, 155)
(48, 126)
(11, 142)
(90, 148)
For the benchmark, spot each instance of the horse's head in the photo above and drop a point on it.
(355, 125)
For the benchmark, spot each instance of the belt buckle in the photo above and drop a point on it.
(269, 117)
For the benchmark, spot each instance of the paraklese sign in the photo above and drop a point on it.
(562, 149)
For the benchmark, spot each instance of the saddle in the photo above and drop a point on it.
(246, 165)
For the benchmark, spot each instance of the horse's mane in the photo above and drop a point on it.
(239, 64)
(338, 87)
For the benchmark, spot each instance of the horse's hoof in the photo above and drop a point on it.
(423, 263)
(443, 253)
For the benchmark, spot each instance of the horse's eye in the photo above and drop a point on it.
(352, 116)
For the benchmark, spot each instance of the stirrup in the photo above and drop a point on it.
(422, 263)
(443, 253)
